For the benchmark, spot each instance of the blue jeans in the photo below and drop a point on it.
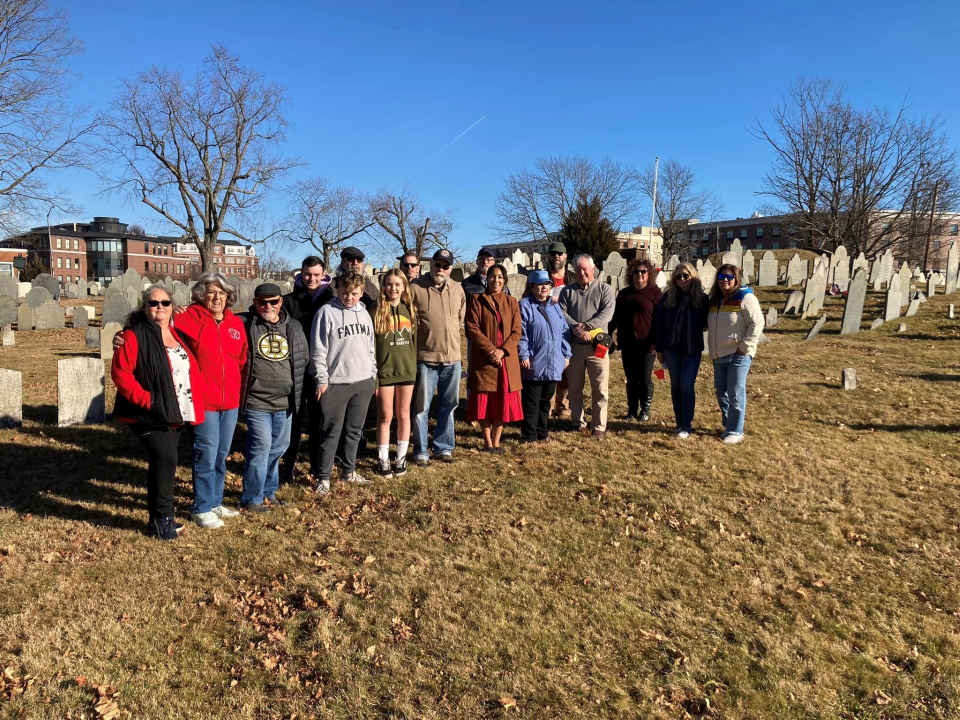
(730, 380)
(445, 380)
(683, 381)
(211, 445)
(268, 435)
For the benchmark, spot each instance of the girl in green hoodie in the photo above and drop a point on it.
(394, 322)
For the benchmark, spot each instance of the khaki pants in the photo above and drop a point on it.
(561, 405)
(583, 361)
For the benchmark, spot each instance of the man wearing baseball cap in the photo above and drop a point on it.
(351, 259)
(476, 284)
(560, 277)
(441, 309)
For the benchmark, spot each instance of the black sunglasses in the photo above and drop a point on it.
(158, 303)
(272, 301)
(555, 254)
(409, 265)
(641, 271)
(683, 276)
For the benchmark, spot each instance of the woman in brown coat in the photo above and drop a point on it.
(493, 377)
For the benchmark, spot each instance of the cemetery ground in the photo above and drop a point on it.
(811, 572)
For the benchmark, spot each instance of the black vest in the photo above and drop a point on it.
(153, 374)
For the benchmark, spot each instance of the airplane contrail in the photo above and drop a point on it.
(459, 136)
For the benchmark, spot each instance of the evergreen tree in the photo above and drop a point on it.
(586, 230)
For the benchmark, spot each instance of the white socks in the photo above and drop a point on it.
(384, 452)
(402, 449)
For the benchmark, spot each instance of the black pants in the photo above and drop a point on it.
(536, 398)
(344, 411)
(161, 446)
(307, 415)
(638, 367)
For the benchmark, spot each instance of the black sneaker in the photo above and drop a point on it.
(164, 528)
(400, 467)
(275, 502)
(447, 458)
(422, 461)
(384, 470)
(644, 416)
(255, 508)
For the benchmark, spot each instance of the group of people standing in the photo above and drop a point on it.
(312, 360)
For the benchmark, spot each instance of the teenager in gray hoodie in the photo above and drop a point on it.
(343, 364)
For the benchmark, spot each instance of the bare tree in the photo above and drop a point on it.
(401, 223)
(39, 132)
(848, 176)
(327, 217)
(679, 200)
(537, 201)
(203, 151)
(136, 229)
(272, 260)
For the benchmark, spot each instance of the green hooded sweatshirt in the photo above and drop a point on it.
(397, 349)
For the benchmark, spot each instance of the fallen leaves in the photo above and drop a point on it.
(105, 705)
(508, 703)
(13, 685)
(400, 630)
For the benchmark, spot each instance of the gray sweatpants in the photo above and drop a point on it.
(343, 408)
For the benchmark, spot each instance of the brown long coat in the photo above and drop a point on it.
(482, 374)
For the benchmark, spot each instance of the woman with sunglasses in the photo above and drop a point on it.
(679, 322)
(159, 390)
(734, 326)
(633, 320)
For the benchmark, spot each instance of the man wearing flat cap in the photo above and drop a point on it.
(351, 259)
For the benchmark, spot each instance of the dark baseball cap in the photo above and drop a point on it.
(352, 252)
(443, 254)
(484, 251)
(267, 290)
(558, 247)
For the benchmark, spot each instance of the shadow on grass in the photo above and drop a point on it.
(830, 386)
(41, 414)
(937, 377)
(903, 428)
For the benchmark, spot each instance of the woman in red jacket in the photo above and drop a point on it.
(158, 385)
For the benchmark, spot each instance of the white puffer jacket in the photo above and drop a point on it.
(735, 325)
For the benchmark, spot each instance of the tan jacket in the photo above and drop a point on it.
(482, 328)
(440, 315)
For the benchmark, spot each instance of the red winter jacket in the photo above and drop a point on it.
(221, 350)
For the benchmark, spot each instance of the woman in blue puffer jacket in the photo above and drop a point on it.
(544, 351)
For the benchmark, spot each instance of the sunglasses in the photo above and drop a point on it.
(355, 260)
(726, 276)
(409, 265)
(440, 266)
(272, 301)
(682, 276)
(158, 303)
(555, 254)
(640, 272)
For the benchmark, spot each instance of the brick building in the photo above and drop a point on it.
(104, 248)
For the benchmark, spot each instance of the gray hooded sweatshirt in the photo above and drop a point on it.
(342, 346)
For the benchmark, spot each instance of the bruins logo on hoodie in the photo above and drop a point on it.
(273, 346)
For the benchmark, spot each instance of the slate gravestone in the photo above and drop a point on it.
(8, 286)
(796, 270)
(73, 292)
(771, 319)
(132, 297)
(905, 277)
(860, 262)
(953, 262)
(6, 335)
(913, 307)
(841, 269)
(886, 266)
(516, 257)
(921, 297)
(37, 297)
(782, 274)
(794, 304)
(814, 291)
(768, 270)
(536, 261)
(81, 317)
(8, 309)
(49, 316)
(850, 376)
(736, 248)
(876, 323)
(614, 264)
(891, 305)
(516, 283)
(115, 309)
(747, 267)
(708, 276)
(853, 308)
(672, 264)
(931, 286)
(730, 258)
(817, 327)
(80, 383)
(24, 317)
(509, 266)
(106, 339)
(11, 399)
(91, 338)
(48, 281)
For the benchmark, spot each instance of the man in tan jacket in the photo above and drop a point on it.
(441, 309)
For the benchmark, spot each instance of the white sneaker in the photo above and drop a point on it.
(683, 434)
(356, 479)
(733, 438)
(323, 488)
(222, 511)
(207, 520)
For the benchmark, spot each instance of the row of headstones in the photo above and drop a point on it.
(80, 394)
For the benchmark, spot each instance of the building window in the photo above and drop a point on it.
(954, 229)
(694, 237)
(936, 246)
(793, 230)
(758, 246)
(66, 263)
(759, 232)
(776, 231)
(146, 247)
(729, 234)
(166, 267)
(885, 226)
(705, 251)
(60, 263)
(59, 244)
(743, 234)
(775, 245)
(76, 244)
(60, 278)
(793, 244)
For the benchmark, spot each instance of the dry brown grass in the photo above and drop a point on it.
(810, 572)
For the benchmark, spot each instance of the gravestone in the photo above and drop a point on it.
(106, 339)
(921, 297)
(49, 316)
(771, 319)
(902, 327)
(817, 327)
(94, 288)
(6, 335)
(747, 266)
(860, 262)
(82, 289)
(877, 285)
(181, 294)
(953, 262)
(516, 257)
(615, 266)
(132, 297)
(850, 376)
(891, 305)
(516, 283)
(48, 281)
(736, 248)
(24, 317)
(115, 309)
(782, 274)
(931, 286)
(80, 383)
(794, 303)
(905, 277)
(876, 323)
(913, 307)
(731, 258)
(672, 264)
(796, 270)
(8, 286)
(509, 266)
(8, 309)
(81, 317)
(814, 291)
(73, 292)
(768, 270)
(457, 274)
(91, 338)
(886, 266)
(840, 268)
(853, 308)
(11, 399)
(37, 296)
(661, 279)
(708, 276)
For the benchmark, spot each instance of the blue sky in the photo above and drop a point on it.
(377, 89)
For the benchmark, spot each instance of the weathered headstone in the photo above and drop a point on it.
(106, 339)
(891, 305)
(8, 309)
(516, 283)
(132, 297)
(24, 317)
(840, 268)
(661, 279)
(8, 286)
(876, 323)
(91, 338)
(80, 383)
(850, 376)
(950, 313)
(672, 264)
(931, 286)
(736, 248)
(11, 399)
(886, 266)
(815, 330)
(771, 319)
(768, 270)
(860, 262)
(37, 297)
(747, 267)
(48, 281)
(794, 304)
(853, 308)
(708, 276)
(6, 335)
(115, 309)
(81, 317)
(73, 292)
(953, 263)
(905, 277)
(731, 258)
(49, 316)
(913, 307)
(796, 270)
(814, 291)
(902, 327)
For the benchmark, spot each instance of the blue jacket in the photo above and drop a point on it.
(545, 344)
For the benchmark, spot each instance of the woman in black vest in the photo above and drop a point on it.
(159, 390)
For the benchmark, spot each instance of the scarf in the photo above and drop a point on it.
(681, 337)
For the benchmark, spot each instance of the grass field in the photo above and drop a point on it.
(811, 572)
